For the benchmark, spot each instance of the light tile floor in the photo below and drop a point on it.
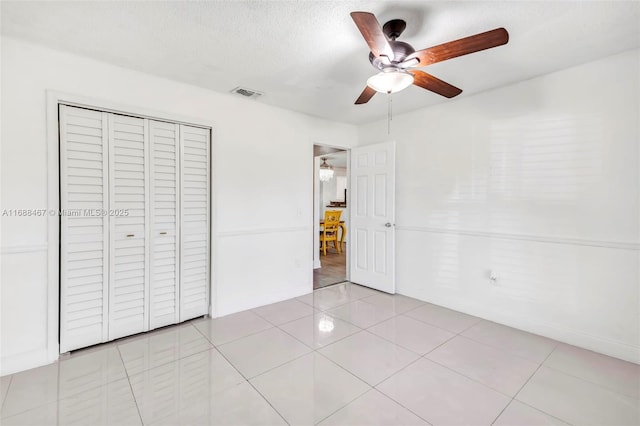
(344, 355)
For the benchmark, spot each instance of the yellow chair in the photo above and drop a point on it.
(329, 230)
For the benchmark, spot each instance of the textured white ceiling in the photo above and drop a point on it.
(308, 56)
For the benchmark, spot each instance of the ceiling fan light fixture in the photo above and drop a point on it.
(326, 171)
(390, 81)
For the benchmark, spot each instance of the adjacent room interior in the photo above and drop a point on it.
(320, 212)
(332, 211)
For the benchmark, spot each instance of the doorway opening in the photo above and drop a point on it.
(331, 215)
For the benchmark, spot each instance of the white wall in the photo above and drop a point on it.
(538, 182)
(262, 215)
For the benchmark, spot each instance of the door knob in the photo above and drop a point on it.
(388, 224)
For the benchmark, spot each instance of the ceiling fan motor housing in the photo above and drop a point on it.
(400, 52)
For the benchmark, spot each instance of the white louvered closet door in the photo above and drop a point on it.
(129, 235)
(194, 253)
(84, 253)
(135, 236)
(164, 250)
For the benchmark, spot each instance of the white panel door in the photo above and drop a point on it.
(164, 240)
(129, 275)
(84, 253)
(194, 253)
(373, 216)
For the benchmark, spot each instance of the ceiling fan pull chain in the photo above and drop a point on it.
(389, 113)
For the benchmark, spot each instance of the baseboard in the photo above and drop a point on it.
(553, 331)
(24, 361)
(244, 302)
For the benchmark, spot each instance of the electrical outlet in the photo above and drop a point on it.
(493, 276)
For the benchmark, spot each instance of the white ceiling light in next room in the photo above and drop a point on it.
(326, 171)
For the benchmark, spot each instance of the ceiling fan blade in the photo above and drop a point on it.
(463, 46)
(370, 29)
(434, 84)
(366, 94)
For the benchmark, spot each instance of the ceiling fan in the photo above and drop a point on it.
(395, 59)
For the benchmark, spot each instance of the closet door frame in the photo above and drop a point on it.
(53, 99)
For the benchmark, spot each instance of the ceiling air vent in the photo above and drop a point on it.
(247, 93)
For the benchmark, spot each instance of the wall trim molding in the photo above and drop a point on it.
(24, 248)
(258, 231)
(525, 237)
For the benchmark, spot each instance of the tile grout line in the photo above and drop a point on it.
(247, 380)
(73, 395)
(7, 392)
(537, 409)
(475, 380)
(315, 312)
(234, 340)
(522, 387)
(459, 334)
(404, 347)
(135, 400)
(392, 342)
(368, 303)
(253, 310)
(165, 363)
(328, 344)
(396, 401)
(502, 349)
(344, 406)
(556, 345)
(366, 329)
(438, 326)
(467, 377)
(360, 328)
(590, 382)
(312, 350)
(421, 357)
(127, 373)
(351, 374)
(350, 300)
